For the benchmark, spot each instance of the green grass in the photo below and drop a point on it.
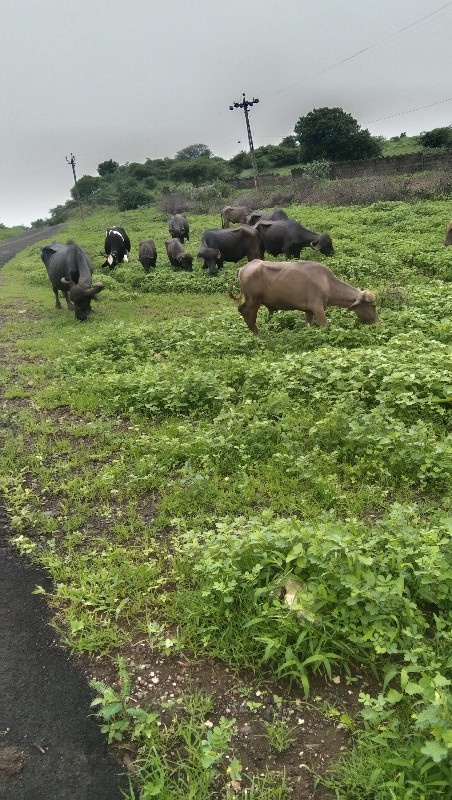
(10, 233)
(402, 147)
(171, 469)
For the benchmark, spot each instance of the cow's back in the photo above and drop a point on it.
(285, 284)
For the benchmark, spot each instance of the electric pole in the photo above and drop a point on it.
(246, 104)
(71, 161)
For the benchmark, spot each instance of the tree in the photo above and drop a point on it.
(87, 188)
(198, 170)
(334, 135)
(133, 195)
(107, 168)
(240, 161)
(438, 137)
(194, 151)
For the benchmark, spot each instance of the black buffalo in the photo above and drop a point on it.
(178, 258)
(147, 254)
(289, 237)
(117, 246)
(70, 271)
(233, 244)
(179, 228)
(256, 216)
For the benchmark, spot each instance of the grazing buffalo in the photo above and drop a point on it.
(70, 271)
(147, 254)
(304, 286)
(289, 237)
(117, 246)
(233, 214)
(218, 246)
(448, 239)
(179, 228)
(265, 216)
(178, 258)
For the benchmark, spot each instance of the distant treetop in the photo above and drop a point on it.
(107, 168)
(334, 135)
(194, 151)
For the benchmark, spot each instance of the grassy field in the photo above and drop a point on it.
(249, 537)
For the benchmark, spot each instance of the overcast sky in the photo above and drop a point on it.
(142, 79)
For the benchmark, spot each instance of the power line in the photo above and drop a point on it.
(363, 50)
(411, 111)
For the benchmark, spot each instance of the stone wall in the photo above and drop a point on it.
(390, 165)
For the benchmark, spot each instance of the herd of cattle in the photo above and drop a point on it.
(304, 285)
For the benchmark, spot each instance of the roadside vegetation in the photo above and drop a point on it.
(10, 233)
(273, 508)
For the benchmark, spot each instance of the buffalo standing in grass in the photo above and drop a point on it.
(179, 228)
(70, 272)
(304, 286)
(117, 246)
(287, 236)
(233, 214)
(178, 257)
(147, 254)
(234, 244)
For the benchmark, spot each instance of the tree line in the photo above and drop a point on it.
(323, 135)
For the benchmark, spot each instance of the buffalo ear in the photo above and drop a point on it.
(180, 257)
(67, 283)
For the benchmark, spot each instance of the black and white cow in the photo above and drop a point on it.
(117, 246)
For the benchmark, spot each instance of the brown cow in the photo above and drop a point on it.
(233, 214)
(304, 286)
(448, 239)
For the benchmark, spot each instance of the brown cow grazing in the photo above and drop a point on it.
(233, 214)
(178, 258)
(448, 239)
(147, 254)
(304, 286)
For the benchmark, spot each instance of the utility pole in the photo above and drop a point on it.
(246, 104)
(71, 161)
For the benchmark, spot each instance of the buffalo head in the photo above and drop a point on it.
(365, 307)
(185, 261)
(324, 244)
(212, 259)
(81, 297)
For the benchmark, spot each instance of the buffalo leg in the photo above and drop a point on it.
(68, 302)
(309, 317)
(319, 314)
(249, 314)
(57, 299)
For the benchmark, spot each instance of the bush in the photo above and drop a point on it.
(438, 137)
(133, 195)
